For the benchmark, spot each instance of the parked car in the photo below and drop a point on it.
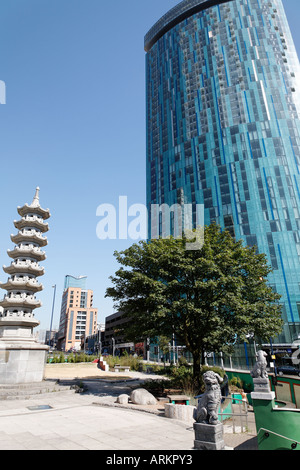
(288, 370)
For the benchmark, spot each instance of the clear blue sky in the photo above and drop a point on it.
(74, 124)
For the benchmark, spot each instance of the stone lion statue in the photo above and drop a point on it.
(260, 369)
(208, 406)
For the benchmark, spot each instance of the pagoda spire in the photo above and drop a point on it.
(36, 199)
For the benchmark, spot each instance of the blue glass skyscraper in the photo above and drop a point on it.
(222, 84)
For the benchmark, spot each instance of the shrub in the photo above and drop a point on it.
(125, 360)
(80, 357)
(183, 362)
(248, 387)
(182, 377)
(61, 358)
(236, 382)
(156, 368)
(91, 358)
(156, 387)
(71, 357)
(54, 359)
(58, 359)
(216, 369)
(165, 370)
(178, 378)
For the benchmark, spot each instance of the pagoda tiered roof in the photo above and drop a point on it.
(29, 236)
(21, 318)
(24, 267)
(34, 207)
(18, 301)
(31, 221)
(30, 284)
(25, 250)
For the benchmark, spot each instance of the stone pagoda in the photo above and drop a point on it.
(22, 359)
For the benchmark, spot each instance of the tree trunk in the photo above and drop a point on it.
(196, 366)
(202, 357)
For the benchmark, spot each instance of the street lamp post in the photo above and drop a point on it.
(113, 345)
(148, 349)
(54, 293)
(174, 351)
(99, 342)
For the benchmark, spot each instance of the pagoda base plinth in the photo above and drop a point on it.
(22, 363)
(22, 359)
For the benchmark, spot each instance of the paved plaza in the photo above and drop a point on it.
(92, 420)
(75, 422)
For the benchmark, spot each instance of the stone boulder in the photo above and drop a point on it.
(140, 396)
(123, 399)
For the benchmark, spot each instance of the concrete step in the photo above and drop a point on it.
(21, 391)
(29, 396)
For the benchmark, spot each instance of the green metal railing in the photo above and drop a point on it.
(267, 433)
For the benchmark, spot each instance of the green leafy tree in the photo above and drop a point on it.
(204, 296)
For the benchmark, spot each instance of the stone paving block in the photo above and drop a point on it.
(82, 439)
(54, 442)
(11, 445)
(23, 437)
(69, 445)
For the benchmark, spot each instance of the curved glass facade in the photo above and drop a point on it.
(223, 128)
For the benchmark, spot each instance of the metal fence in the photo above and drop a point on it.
(243, 358)
(234, 412)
